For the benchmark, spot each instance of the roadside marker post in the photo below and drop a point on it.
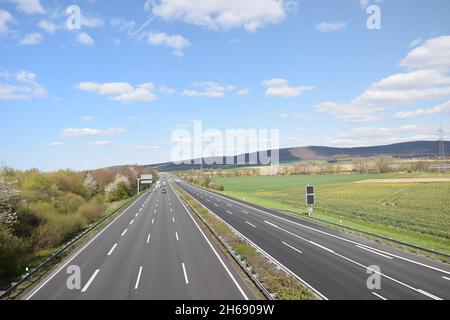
(310, 198)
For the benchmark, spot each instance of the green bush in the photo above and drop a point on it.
(93, 209)
(13, 253)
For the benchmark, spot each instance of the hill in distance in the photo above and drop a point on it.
(404, 150)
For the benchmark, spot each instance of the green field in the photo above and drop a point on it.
(418, 213)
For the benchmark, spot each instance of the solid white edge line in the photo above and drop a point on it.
(332, 235)
(432, 296)
(288, 245)
(185, 274)
(373, 251)
(212, 248)
(87, 244)
(379, 296)
(138, 278)
(112, 249)
(86, 286)
(360, 264)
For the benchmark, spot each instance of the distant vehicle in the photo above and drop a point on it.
(164, 183)
(164, 191)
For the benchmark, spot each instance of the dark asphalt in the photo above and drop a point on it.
(332, 262)
(161, 255)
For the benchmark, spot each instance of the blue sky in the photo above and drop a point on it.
(113, 91)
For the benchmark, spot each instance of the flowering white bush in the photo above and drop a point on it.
(91, 185)
(119, 189)
(9, 198)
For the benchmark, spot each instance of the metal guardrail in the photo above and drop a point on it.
(406, 244)
(58, 253)
(299, 216)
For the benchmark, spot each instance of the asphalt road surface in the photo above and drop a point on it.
(153, 250)
(333, 263)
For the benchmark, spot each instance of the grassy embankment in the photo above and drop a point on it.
(418, 213)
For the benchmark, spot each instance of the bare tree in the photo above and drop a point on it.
(384, 164)
(360, 165)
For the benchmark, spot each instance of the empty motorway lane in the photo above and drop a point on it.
(333, 263)
(153, 250)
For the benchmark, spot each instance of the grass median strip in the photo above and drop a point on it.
(279, 284)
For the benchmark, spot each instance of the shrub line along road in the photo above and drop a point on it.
(153, 250)
(332, 262)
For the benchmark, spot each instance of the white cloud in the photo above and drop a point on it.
(29, 6)
(218, 14)
(88, 118)
(147, 148)
(123, 25)
(121, 91)
(242, 92)
(415, 43)
(395, 90)
(166, 90)
(280, 88)
(83, 132)
(297, 116)
(175, 42)
(31, 39)
(5, 19)
(365, 3)
(444, 107)
(433, 54)
(91, 21)
(56, 144)
(427, 80)
(331, 26)
(212, 89)
(48, 26)
(21, 86)
(99, 143)
(85, 39)
(350, 112)
(364, 136)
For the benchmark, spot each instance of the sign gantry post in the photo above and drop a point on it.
(144, 179)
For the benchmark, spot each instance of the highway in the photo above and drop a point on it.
(333, 263)
(154, 250)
